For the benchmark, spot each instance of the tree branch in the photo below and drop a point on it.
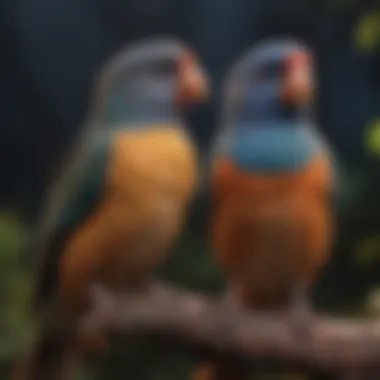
(206, 323)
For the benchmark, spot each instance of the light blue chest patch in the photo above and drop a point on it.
(272, 148)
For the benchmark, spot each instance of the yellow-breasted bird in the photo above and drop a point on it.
(129, 197)
(272, 185)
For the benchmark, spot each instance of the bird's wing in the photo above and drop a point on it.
(81, 198)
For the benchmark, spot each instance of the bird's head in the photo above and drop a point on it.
(152, 79)
(275, 80)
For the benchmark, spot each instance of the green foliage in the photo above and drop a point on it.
(367, 251)
(15, 287)
(372, 137)
(367, 32)
(192, 263)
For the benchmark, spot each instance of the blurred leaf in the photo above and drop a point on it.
(367, 31)
(367, 251)
(372, 136)
(373, 302)
(11, 238)
(15, 325)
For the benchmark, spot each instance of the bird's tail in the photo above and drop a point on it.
(52, 356)
(46, 363)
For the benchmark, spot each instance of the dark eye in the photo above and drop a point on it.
(164, 68)
(268, 70)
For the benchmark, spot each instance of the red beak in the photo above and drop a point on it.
(193, 85)
(298, 85)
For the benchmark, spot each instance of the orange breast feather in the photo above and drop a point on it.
(245, 203)
(150, 182)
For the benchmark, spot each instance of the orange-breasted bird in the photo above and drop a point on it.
(272, 186)
(129, 197)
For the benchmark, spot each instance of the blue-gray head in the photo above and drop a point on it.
(272, 82)
(150, 80)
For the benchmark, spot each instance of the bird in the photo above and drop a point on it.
(124, 196)
(272, 184)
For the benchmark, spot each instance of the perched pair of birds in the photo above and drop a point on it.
(271, 181)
